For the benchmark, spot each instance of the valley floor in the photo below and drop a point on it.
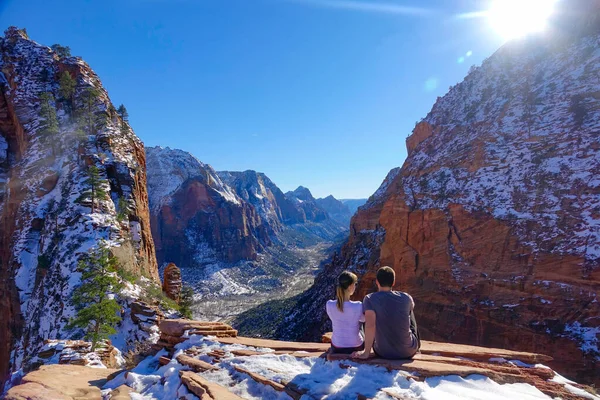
(226, 291)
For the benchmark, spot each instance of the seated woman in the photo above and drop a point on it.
(346, 316)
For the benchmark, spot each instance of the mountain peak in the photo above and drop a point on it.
(302, 193)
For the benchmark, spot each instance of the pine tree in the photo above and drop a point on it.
(123, 209)
(97, 312)
(67, 88)
(122, 111)
(186, 300)
(49, 129)
(578, 109)
(97, 192)
(61, 51)
(88, 117)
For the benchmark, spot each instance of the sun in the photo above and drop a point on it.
(516, 18)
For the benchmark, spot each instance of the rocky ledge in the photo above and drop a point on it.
(210, 362)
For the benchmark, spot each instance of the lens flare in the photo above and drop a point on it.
(517, 18)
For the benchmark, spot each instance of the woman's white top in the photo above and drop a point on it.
(346, 325)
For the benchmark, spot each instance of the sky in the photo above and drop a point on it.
(318, 93)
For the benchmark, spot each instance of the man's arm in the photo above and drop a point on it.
(370, 319)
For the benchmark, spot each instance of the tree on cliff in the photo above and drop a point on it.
(578, 109)
(96, 191)
(185, 301)
(122, 111)
(49, 128)
(97, 310)
(61, 51)
(66, 89)
(89, 118)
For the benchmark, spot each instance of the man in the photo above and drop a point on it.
(390, 326)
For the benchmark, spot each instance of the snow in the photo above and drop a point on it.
(587, 337)
(168, 169)
(320, 378)
(44, 290)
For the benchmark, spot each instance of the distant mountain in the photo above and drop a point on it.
(305, 201)
(234, 233)
(337, 210)
(353, 204)
(195, 216)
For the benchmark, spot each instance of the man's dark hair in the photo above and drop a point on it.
(385, 276)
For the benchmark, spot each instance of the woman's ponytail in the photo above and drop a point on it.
(345, 279)
(339, 294)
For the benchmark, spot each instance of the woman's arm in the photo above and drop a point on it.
(370, 320)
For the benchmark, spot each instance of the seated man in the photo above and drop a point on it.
(390, 326)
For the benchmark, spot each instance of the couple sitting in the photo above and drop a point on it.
(390, 326)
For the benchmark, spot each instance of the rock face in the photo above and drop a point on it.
(195, 215)
(62, 382)
(172, 282)
(46, 218)
(493, 222)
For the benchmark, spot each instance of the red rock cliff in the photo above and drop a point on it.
(46, 219)
(493, 222)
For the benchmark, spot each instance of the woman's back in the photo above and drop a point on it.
(346, 324)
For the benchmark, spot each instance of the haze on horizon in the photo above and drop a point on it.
(318, 93)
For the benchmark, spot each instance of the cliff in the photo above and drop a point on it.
(195, 215)
(492, 224)
(45, 207)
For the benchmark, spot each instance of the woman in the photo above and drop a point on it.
(346, 316)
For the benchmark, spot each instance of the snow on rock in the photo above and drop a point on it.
(50, 225)
(493, 222)
(313, 377)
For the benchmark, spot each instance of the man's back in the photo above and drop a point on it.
(393, 337)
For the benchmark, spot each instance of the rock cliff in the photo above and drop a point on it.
(493, 222)
(45, 207)
(195, 215)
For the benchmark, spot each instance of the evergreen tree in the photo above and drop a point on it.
(123, 209)
(122, 111)
(87, 114)
(49, 129)
(96, 191)
(97, 312)
(67, 88)
(186, 300)
(61, 51)
(579, 110)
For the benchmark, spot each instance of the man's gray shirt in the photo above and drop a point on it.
(393, 337)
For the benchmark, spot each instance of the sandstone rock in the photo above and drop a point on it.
(172, 282)
(123, 392)
(195, 364)
(35, 391)
(422, 131)
(61, 382)
(176, 327)
(202, 387)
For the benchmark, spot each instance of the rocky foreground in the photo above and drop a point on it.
(207, 360)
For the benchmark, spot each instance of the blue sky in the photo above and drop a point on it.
(319, 93)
